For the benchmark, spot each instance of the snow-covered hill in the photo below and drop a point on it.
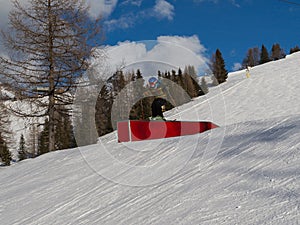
(245, 172)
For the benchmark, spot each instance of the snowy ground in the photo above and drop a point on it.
(245, 172)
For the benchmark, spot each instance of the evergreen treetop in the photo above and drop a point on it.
(218, 67)
(264, 55)
(22, 149)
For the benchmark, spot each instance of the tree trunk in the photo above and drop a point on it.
(51, 84)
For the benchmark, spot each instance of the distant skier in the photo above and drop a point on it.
(158, 107)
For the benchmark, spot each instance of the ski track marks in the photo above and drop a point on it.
(254, 178)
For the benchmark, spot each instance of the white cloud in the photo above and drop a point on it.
(164, 9)
(101, 7)
(165, 53)
(98, 7)
(161, 10)
(236, 66)
(132, 2)
(125, 54)
(233, 2)
(199, 1)
(192, 42)
(124, 22)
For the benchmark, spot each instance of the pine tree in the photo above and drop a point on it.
(139, 74)
(264, 55)
(22, 149)
(5, 134)
(64, 136)
(103, 111)
(64, 131)
(43, 145)
(5, 154)
(159, 74)
(141, 109)
(218, 67)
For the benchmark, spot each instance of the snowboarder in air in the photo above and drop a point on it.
(158, 106)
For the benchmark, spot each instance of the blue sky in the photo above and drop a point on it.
(233, 26)
(201, 26)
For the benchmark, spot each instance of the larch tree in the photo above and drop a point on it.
(277, 52)
(191, 78)
(204, 85)
(252, 57)
(49, 45)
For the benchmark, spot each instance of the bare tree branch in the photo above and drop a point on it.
(49, 43)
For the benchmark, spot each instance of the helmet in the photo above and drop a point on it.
(153, 82)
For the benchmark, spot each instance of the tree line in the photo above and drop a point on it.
(256, 56)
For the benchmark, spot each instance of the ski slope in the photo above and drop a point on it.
(245, 172)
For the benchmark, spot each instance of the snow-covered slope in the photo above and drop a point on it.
(245, 172)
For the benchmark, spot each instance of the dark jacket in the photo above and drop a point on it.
(157, 107)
